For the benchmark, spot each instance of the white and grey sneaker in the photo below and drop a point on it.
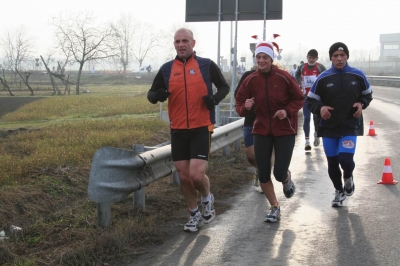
(195, 221)
(255, 179)
(208, 210)
(307, 146)
(316, 140)
(339, 198)
(274, 215)
(349, 186)
(289, 187)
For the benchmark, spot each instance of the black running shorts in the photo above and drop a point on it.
(190, 144)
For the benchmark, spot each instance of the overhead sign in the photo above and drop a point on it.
(207, 10)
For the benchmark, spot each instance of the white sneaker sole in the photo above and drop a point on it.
(209, 220)
(338, 203)
(349, 194)
(316, 142)
(190, 230)
(269, 220)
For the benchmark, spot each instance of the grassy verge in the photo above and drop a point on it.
(44, 176)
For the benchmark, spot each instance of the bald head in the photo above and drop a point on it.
(184, 42)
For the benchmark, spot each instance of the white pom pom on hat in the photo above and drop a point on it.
(265, 47)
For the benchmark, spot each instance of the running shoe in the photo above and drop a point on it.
(255, 179)
(208, 210)
(289, 187)
(274, 215)
(307, 147)
(195, 221)
(339, 198)
(316, 140)
(349, 186)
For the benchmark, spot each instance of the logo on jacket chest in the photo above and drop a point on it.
(329, 85)
(192, 72)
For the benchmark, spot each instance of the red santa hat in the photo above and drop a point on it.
(265, 47)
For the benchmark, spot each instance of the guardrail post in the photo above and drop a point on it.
(238, 143)
(175, 179)
(104, 214)
(139, 195)
(226, 150)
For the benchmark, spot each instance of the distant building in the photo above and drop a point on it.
(390, 47)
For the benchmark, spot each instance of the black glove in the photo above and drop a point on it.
(161, 95)
(210, 102)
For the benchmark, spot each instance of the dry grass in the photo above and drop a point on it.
(45, 174)
(75, 107)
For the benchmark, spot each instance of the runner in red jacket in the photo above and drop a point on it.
(276, 98)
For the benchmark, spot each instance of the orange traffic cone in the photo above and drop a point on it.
(387, 176)
(371, 131)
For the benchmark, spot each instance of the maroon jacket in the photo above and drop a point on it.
(272, 91)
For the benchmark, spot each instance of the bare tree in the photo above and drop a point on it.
(145, 41)
(4, 82)
(78, 34)
(68, 57)
(17, 46)
(25, 79)
(123, 38)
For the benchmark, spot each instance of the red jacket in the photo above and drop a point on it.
(271, 91)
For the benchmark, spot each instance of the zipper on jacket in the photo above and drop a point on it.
(269, 109)
(186, 94)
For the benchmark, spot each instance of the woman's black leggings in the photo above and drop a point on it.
(263, 146)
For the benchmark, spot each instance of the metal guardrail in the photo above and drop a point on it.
(390, 81)
(116, 173)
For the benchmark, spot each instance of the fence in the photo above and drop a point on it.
(116, 173)
(390, 81)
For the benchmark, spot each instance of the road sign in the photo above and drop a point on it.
(279, 57)
(207, 10)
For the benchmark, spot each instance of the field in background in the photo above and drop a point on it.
(46, 148)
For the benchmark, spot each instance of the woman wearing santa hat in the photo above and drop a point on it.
(275, 97)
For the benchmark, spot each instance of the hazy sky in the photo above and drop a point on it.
(306, 24)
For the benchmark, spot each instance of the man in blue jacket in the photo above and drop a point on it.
(338, 97)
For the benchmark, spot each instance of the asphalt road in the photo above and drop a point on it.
(365, 231)
(12, 103)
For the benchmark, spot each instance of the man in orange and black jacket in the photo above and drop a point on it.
(187, 82)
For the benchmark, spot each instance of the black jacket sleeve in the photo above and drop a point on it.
(314, 105)
(298, 74)
(158, 83)
(245, 75)
(365, 100)
(219, 81)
